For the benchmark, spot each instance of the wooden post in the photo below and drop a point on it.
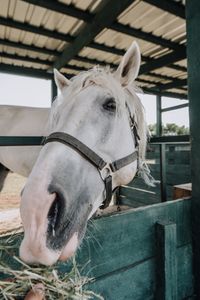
(163, 173)
(158, 116)
(166, 275)
(53, 90)
(161, 149)
(193, 53)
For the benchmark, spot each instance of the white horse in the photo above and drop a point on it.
(21, 121)
(64, 189)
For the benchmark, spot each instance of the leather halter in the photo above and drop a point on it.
(105, 169)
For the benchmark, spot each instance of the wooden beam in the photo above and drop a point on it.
(24, 71)
(69, 66)
(17, 57)
(9, 22)
(56, 35)
(77, 57)
(170, 139)
(162, 61)
(54, 90)
(146, 36)
(154, 91)
(108, 13)
(86, 16)
(20, 45)
(178, 68)
(44, 62)
(175, 107)
(68, 38)
(158, 115)
(52, 52)
(20, 140)
(175, 8)
(160, 76)
(193, 51)
(166, 283)
(163, 173)
(176, 83)
(69, 10)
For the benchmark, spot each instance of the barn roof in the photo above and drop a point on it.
(74, 35)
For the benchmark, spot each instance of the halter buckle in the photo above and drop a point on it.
(105, 171)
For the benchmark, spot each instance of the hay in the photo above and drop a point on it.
(19, 280)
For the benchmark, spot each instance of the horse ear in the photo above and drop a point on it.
(60, 80)
(129, 67)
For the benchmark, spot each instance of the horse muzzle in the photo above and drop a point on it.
(50, 234)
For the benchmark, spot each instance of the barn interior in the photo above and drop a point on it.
(74, 36)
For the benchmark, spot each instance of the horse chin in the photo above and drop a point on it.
(43, 256)
(46, 256)
(69, 250)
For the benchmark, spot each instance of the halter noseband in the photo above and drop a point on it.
(105, 169)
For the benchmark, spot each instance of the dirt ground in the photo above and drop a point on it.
(10, 201)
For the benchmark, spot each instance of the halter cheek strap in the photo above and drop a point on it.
(105, 169)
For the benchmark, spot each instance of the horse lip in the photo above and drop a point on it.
(69, 248)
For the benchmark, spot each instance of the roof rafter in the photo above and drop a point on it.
(19, 45)
(77, 57)
(35, 29)
(162, 61)
(176, 83)
(173, 84)
(69, 10)
(105, 16)
(86, 16)
(26, 58)
(154, 91)
(68, 38)
(24, 71)
(45, 62)
(31, 72)
(170, 6)
(147, 36)
(175, 107)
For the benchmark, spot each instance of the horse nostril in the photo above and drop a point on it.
(55, 214)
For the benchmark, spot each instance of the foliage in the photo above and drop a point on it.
(169, 129)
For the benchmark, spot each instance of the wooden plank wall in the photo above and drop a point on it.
(124, 253)
(143, 253)
(193, 55)
(137, 193)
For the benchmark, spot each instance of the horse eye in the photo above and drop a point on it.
(110, 104)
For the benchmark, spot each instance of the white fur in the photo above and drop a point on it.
(79, 111)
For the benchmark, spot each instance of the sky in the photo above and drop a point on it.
(27, 91)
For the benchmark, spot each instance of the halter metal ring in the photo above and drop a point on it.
(105, 171)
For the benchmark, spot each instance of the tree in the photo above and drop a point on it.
(169, 129)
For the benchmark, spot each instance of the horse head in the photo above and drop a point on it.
(99, 109)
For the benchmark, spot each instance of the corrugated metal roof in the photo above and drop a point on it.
(40, 31)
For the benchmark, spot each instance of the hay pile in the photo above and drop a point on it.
(19, 278)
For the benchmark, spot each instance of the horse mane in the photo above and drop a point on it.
(138, 113)
(104, 77)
